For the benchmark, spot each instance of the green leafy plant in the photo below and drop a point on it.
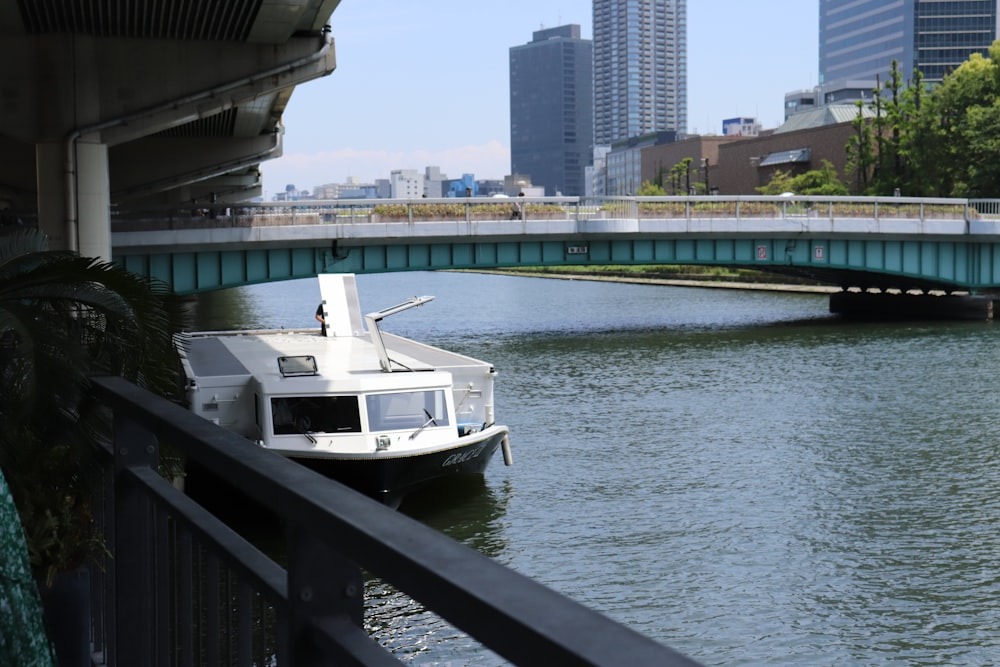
(63, 319)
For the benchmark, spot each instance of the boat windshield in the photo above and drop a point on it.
(315, 414)
(406, 410)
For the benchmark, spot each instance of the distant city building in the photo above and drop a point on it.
(858, 39)
(405, 184)
(434, 182)
(640, 68)
(551, 109)
(746, 164)
(740, 127)
(514, 184)
(658, 162)
(624, 162)
(364, 191)
(827, 114)
(489, 187)
(463, 187)
(801, 100)
(292, 193)
(352, 188)
(597, 173)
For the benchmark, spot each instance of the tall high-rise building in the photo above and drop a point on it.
(551, 109)
(640, 68)
(858, 39)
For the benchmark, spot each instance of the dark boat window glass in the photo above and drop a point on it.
(315, 414)
(407, 409)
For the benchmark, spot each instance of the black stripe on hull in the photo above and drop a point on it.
(390, 479)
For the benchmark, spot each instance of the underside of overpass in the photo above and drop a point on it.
(109, 105)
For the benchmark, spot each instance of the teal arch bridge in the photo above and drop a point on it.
(866, 244)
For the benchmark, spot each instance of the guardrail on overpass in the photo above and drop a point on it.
(939, 242)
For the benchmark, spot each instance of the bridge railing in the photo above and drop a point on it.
(535, 209)
(986, 208)
(803, 206)
(180, 587)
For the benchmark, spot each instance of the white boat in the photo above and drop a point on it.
(378, 412)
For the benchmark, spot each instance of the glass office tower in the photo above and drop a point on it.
(947, 33)
(640, 68)
(551, 109)
(858, 39)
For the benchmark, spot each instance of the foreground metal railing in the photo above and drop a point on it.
(180, 587)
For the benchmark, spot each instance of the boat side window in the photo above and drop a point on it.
(315, 414)
(406, 410)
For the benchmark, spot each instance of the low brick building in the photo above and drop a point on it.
(748, 164)
(739, 165)
(657, 161)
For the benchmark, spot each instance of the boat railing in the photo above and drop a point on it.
(181, 586)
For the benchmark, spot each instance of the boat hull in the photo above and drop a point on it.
(389, 478)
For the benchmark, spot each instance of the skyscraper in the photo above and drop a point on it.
(858, 39)
(640, 68)
(551, 109)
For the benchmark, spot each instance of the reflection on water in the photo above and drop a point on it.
(470, 512)
(465, 509)
(737, 475)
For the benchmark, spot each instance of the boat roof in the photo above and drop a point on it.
(343, 363)
(347, 359)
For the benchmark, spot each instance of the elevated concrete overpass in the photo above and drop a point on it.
(107, 105)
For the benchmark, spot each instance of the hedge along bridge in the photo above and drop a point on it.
(863, 245)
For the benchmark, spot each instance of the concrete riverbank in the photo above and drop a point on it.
(639, 280)
(892, 305)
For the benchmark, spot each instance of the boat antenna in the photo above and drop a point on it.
(374, 318)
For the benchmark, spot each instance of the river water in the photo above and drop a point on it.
(734, 474)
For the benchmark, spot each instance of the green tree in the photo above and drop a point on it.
(676, 179)
(780, 182)
(914, 141)
(822, 181)
(648, 189)
(889, 119)
(64, 318)
(932, 142)
(860, 155)
(958, 129)
(877, 152)
(685, 167)
(981, 137)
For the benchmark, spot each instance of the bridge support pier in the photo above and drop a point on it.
(74, 208)
(903, 306)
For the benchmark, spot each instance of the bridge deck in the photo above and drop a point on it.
(904, 243)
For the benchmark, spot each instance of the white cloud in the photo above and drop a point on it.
(307, 170)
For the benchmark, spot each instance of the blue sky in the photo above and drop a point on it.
(426, 83)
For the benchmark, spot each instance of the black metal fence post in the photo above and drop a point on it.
(134, 549)
(322, 586)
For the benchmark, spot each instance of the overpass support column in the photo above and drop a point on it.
(74, 200)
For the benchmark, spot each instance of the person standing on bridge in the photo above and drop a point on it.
(320, 318)
(517, 210)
